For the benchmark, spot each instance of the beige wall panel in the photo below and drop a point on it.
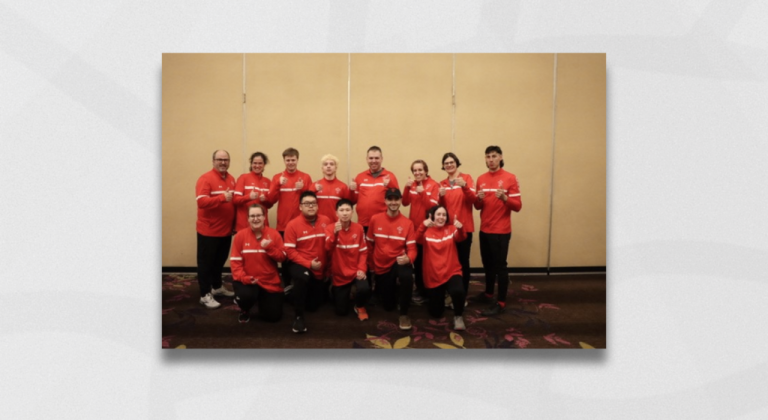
(299, 101)
(506, 100)
(401, 103)
(578, 223)
(202, 102)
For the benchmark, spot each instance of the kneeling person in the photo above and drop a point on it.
(345, 242)
(256, 250)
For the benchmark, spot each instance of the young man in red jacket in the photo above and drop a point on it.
(305, 246)
(498, 195)
(215, 222)
(393, 239)
(328, 188)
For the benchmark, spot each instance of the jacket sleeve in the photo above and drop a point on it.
(460, 234)
(406, 195)
(420, 233)
(330, 239)
(362, 259)
(274, 189)
(268, 203)
(430, 195)
(276, 250)
(240, 196)
(410, 244)
(290, 248)
(236, 261)
(470, 195)
(514, 201)
(353, 195)
(204, 198)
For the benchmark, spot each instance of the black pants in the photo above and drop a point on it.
(418, 271)
(270, 304)
(308, 291)
(389, 293)
(463, 248)
(455, 288)
(341, 300)
(212, 254)
(493, 251)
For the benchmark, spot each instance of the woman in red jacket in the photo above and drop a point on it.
(442, 271)
(252, 188)
(255, 254)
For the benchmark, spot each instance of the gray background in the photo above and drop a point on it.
(80, 96)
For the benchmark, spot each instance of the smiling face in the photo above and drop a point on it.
(257, 165)
(256, 218)
(419, 174)
(493, 161)
(291, 162)
(329, 168)
(440, 217)
(393, 204)
(221, 161)
(449, 164)
(344, 212)
(374, 160)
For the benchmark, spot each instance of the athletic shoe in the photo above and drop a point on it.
(482, 298)
(448, 302)
(298, 325)
(417, 299)
(458, 323)
(362, 314)
(494, 309)
(221, 291)
(405, 322)
(244, 317)
(209, 302)
(288, 289)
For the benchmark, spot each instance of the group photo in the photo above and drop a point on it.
(384, 201)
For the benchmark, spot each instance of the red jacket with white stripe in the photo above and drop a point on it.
(287, 196)
(348, 250)
(494, 212)
(458, 201)
(440, 258)
(246, 183)
(215, 216)
(252, 264)
(420, 202)
(328, 195)
(390, 237)
(369, 195)
(304, 242)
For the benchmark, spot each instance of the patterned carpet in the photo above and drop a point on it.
(558, 311)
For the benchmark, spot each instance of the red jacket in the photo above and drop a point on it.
(494, 213)
(458, 201)
(246, 183)
(390, 237)
(421, 202)
(287, 196)
(252, 264)
(215, 216)
(348, 250)
(330, 194)
(440, 258)
(369, 195)
(305, 242)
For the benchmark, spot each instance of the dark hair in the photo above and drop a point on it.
(291, 152)
(497, 149)
(374, 149)
(424, 164)
(261, 155)
(451, 155)
(257, 206)
(213, 156)
(307, 194)
(432, 210)
(342, 202)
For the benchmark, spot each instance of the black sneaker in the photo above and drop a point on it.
(481, 298)
(494, 309)
(298, 325)
(244, 317)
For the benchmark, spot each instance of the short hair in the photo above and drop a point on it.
(497, 149)
(343, 202)
(261, 155)
(213, 156)
(329, 157)
(424, 164)
(451, 155)
(432, 210)
(290, 152)
(257, 206)
(374, 149)
(307, 194)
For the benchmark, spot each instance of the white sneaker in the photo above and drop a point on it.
(209, 302)
(221, 291)
(458, 323)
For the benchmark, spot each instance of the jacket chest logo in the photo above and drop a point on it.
(399, 229)
(501, 183)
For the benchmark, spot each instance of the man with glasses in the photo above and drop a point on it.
(215, 224)
(305, 246)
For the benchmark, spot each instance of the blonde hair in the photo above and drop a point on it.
(330, 157)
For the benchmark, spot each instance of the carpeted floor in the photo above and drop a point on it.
(558, 311)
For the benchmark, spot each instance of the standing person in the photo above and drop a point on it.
(393, 239)
(305, 246)
(252, 188)
(348, 249)
(287, 186)
(256, 250)
(442, 271)
(215, 222)
(421, 193)
(498, 195)
(328, 188)
(457, 194)
(368, 187)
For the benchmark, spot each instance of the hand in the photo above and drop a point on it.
(228, 195)
(428, 222)
(265, 243)
(360, 275)
(316, 264)
(253, 194)
(403, 259)
(262, 197)
(481, 194)
(353, 186)
(299, 184)
(409, 183)
(420, 189)
(337, 227)
(318, 187)
(500, 194)
(456, 222)
(460, 182)
(386, 180)
(283, 179)
(442, 191)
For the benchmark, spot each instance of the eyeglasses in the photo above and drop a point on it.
(221, 160)
(310, 204)
(257, 216)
